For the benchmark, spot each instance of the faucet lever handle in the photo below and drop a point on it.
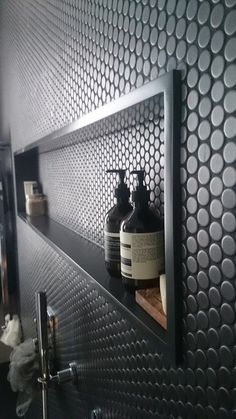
(67, 375)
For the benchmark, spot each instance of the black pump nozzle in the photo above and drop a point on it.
(140, 174)
(122, 191)
(121, 173)
(141, 194)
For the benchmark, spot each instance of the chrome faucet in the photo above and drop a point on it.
(44, 322)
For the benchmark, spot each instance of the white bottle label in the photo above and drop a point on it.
(142, 255)
(112, 247)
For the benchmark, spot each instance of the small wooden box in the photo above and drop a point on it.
(150, 301)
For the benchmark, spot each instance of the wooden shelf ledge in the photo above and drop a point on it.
(150, 301)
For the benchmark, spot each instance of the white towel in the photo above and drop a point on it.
(23, 374)
(12, 333)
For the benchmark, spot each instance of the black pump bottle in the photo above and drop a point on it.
(142, 241)
(112, 225)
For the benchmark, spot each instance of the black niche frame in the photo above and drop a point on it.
(97, 122)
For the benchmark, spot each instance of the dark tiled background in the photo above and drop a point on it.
(61, 59)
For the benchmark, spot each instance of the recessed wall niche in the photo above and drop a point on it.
(137, 131)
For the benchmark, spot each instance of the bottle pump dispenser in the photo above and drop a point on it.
(142, 241)
(112, 224)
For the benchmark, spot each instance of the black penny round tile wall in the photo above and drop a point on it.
(78, 173)
(63, 59)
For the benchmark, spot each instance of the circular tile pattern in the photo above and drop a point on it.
(204, 84)
(192, 99)
(204, 61)
(192, 55)
(204, 152)
(228, 268)
(203, 259)
(212, 380)
(226, 356)
(216, 163)
(217, 66)
(191, 33)
(103, 52)
(215, 253)
(217, 16)
(171, 24)
(227, 313)
(204, 36)
(214, 341)
(217, 91)
(192, 77)
(217, 139)
(216, 208)
(229, 176)
(192, 186)
(180, 28)
(217, 115)
(204, 130)
(215, 274)
(230, 50)
(203, 280)
(214, 318)
(230, 102)
(180, 8)
(230, 76)
(203, 12)
(203, 196)
(192, 264)
(226, 335)
(217, 42)
(214, 296)
(192, 304)
(203, 217)
(216, 231)
(191, 225)
(228, 291)
(191, 9)
(202, 320)
(192, 165)
(216, 186)
(229, 199)
(204, 107)
(202, 300)
(229, 222)
(191, 245)
(191, 205)
(230, 3)
(203, 238)
(228, 245)
(229, 129)
(192, 284)
(192, 143)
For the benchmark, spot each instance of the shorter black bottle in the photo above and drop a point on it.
(141, 241)
(112, 225)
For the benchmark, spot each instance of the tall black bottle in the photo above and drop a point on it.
(112, 225)
(142, 242)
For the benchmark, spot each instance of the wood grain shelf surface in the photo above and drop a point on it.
(150, 301)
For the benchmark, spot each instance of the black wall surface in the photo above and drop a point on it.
(7, 397)
(61, 59)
